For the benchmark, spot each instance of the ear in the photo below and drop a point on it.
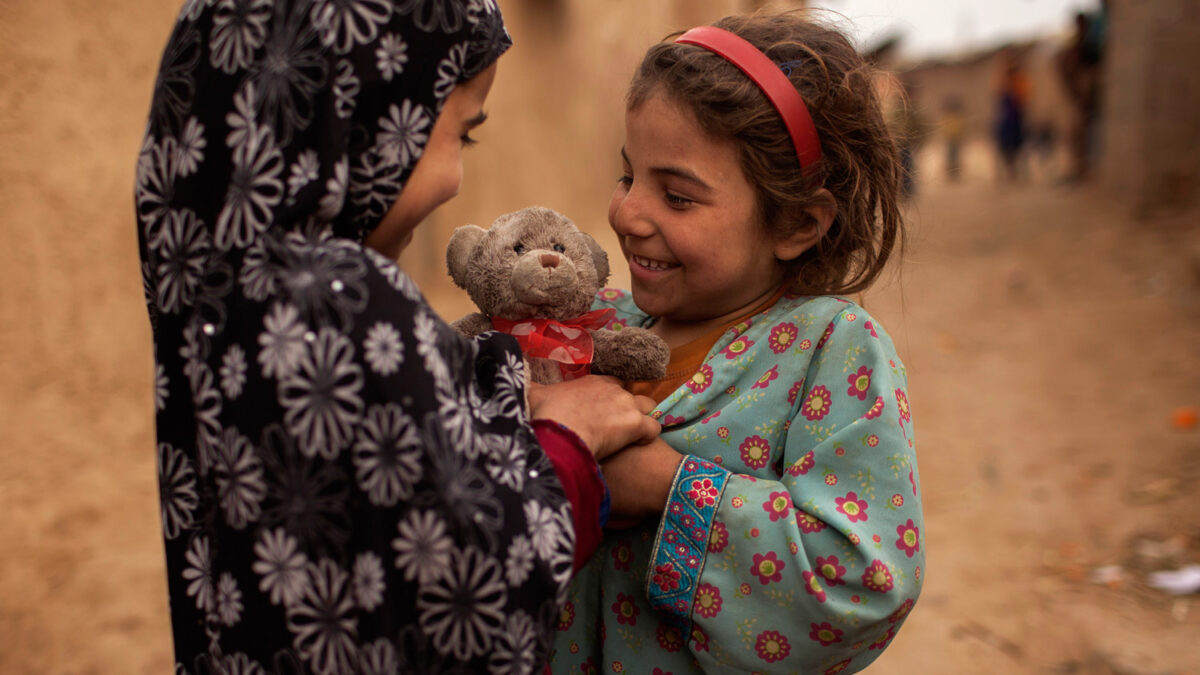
(458, 252)
(816, 219)
(599, 259)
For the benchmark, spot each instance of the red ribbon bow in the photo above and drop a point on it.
(567, 342)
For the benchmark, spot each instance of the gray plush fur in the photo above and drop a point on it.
(555, 274)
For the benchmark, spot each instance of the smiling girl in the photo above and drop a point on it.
(775, 525)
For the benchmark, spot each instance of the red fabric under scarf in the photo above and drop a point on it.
(566, 342)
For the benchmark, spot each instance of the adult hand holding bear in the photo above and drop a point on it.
(575, 404)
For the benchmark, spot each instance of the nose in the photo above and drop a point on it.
(627, 215)
(549, 260)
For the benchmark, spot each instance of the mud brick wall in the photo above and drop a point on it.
(1150, 153)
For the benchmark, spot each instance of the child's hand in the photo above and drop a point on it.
(603, 415)
(639, 478)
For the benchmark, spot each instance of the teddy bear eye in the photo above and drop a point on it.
(560, 248)
(519, 248)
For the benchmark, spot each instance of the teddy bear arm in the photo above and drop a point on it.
(472, 324)
(630, 354)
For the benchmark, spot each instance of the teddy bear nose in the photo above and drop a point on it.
(549, 260)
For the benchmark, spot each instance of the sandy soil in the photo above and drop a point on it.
(1048, 338)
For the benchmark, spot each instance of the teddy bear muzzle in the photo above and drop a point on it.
(543, 277)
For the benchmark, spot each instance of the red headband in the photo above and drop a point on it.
(767, 75)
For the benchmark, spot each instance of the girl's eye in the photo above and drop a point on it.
(467, 141)
(625, 180)
(678, 202)
(519, 248)
(560, 248)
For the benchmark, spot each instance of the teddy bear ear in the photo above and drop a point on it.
(599, 258)
(458, 251)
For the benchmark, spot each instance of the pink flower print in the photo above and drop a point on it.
(859, 382)
(666, 577)
(700, 640)
(718, 537)
(701, 379)
(802, 466)
(805, 345)
(767, 568)
(738, 347)
(901, 612)
(838, 667)
(622, 555)
(850, 317)
(871, 329)
(817, 405)
(826, 336)
(744, 590)
(755, 452)
(852, 507)
(872, 440)
(782, 337)
(708, 601)
(722, 432)
(610, 294)
(736, 502)
(779, 505)
(772, 646)
(618, 667)
(912, 480)
(566, 616)
(878, 577)
(875, 410)
(589, 667)
(741, 327)
(831, 570)
(767, 377)
(626, 610)
(902, 402)
(910, 538)
(794, 392)
(897, 500)
(671, 420)
(825, 633)
(812, 584)
(711, 417)
(809, 523)
(616, 324)
(882, 641)
(669, 638)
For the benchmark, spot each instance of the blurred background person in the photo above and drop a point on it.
(1079, 66)
(1013, 90)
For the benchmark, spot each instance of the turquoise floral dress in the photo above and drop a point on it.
(792, 540)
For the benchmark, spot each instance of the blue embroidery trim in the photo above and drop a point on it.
(682, 540)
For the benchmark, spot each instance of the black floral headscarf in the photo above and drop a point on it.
(346, 485)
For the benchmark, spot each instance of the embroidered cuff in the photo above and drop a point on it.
(682, 539)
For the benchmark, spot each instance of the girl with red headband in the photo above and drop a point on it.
(775, 525)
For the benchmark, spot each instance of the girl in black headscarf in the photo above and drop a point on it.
(346, 485)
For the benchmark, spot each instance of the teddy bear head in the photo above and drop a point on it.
(532, 263)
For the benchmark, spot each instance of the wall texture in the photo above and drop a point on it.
(1151, 110)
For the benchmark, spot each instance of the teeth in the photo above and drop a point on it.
(651, 264)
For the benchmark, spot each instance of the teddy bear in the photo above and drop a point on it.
(533, 274)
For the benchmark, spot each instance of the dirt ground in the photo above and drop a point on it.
(1048, 335)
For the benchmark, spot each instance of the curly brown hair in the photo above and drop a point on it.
(860, 165)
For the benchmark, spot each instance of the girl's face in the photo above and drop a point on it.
(438, 174)
(687, 220)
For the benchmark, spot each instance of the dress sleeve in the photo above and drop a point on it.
(582, 483)
(816, 566)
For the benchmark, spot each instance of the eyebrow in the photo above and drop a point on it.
(676, 171)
